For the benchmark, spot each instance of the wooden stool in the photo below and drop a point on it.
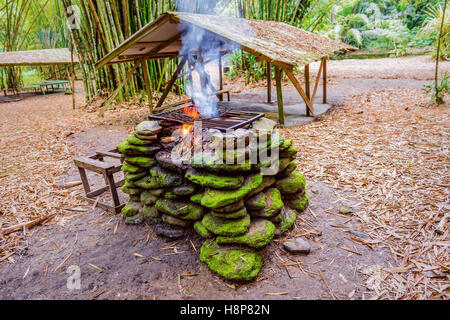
(95, 163)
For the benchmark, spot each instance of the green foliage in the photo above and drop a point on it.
(438, 91)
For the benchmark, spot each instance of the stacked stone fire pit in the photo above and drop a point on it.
(237, 198)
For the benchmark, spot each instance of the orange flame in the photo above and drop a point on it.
(187, 129)
(191, 111)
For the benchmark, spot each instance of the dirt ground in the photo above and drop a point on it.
(119, 261)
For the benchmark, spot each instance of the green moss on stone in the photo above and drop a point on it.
(287, 143)
(273, 204)
(166, 178)
(131, 191)
(231, 263)
(257, 202)
(126, 167)
(214, 181)
(299, 204)
(147, 182)
(167, 218)
(150, 212)
(201, 230)
(135, 176)
(214, 198)
(197, 198)
(213, 164)
(131, 209)
(148, 199)
(182, 209)
(141, 162)
(287, 222)
(293, 183)
(132, 150)
(226, 227)
(258, 235)
(138, 142)
(231, 215)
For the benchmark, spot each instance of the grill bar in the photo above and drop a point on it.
(226, 120)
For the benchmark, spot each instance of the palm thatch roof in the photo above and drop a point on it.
(36, 57)
(277, 42)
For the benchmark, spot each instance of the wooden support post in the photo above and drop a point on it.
(72, 76)
(307, 87)
(300, 90)
(171, 82)
(317, 81)
(324, 61)
(220, 77)
(269, 82)
(121, 85)
(279, 95)
(148, 86)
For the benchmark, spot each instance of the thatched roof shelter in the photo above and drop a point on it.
(36, 58)
(282, 45)
(276, 42)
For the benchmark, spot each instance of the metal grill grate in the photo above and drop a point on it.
(226, 120)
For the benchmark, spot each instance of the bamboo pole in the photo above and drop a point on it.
(307, 87)
(269, 82)
(279, 95)
(324, 80)
(220, 77)
(148, 85)
(72, 76)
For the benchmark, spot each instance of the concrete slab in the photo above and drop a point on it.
(294, 114)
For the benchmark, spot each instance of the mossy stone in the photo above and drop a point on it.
(131, 209)
(287, 222)
(181, 209)
(148, 128)
(287, 143)
(231, 207)
(273, 204)
(135, 176)
(167, 218)
(266, 183)
(226, 227)
(141, 162)
(150, 212)
(147, 182)
(129, 184)
(197, 197)
(214, 198)
(136, 219)
(201, 230)
(231, 215)
(148, 199)
(231, 263)
(257, 202)
(259, 234)
(300, 203)
(126, 167)
(170, 195)
(165, 178)
(186, 189)
(135, 198)
(293, 183)
(132, 150)
(131, 191)
(215, 165)
(138, 142)
(289, 152)
(287, 171)
(156, 192)
(214, 181)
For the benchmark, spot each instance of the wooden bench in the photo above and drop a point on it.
(96, 164)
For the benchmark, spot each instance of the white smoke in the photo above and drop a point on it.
(201, 48)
